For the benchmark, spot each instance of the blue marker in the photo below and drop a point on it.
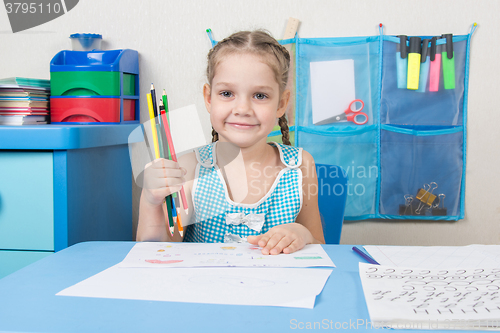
(425, 63)
(401, 62)
(365, 256)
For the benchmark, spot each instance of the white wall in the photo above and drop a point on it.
(170, 37)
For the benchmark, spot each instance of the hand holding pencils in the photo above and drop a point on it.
(164, 148)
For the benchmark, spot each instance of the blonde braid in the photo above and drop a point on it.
(285, 134)
(215, 135)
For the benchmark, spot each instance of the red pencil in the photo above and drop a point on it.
(172, 151)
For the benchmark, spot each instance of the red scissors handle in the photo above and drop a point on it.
(353, 112)
(362, 118)
(355, 106)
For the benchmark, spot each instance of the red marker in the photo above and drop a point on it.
(435, 66)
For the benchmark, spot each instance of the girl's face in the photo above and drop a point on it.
(244, 100)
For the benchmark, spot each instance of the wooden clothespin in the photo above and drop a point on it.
(291, 28)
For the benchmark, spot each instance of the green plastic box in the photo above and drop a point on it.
(90, 83)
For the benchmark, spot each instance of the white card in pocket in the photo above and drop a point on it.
(332, 89)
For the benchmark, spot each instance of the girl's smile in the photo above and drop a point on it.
(242, 126)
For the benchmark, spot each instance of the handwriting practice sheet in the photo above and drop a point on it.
(419, 298)
(163, 254)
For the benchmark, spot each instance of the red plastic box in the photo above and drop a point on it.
(91, 110)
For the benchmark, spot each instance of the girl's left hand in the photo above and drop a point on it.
(286, 238)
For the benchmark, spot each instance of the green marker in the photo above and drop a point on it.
(448, 58)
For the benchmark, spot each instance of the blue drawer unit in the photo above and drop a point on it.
(60, 185)
(26, 201)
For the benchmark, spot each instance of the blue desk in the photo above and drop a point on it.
(28, 301)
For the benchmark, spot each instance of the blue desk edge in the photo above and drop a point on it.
(64, 137)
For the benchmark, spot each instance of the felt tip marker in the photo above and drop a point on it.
(435, 66)
(401, 62)
(424, 66)
(414, 63)
(365, 256)
(448, 59)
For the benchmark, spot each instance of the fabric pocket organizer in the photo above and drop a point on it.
(401, 142)
(407, 160)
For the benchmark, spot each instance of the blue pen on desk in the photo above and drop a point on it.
(365, 256)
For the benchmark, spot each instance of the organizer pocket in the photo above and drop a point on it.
(354, 151)
(430, 104)
(332, 73)
(421, 162)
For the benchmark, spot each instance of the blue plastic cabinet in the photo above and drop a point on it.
(60, 185)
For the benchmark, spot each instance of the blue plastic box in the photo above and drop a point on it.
(81, 76)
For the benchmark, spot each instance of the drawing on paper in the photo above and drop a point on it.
(214, 254)
(309, 257)
(156, 261)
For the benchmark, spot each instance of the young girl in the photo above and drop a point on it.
(240, 187)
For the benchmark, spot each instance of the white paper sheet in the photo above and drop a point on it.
(287, 287)
(484, 256)
(187, 134)
(332, 89)
(420, 298)
(186, 129)
(163, 254)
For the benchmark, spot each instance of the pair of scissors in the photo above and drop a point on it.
(352, 113)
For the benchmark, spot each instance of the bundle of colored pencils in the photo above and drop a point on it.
(164, 148)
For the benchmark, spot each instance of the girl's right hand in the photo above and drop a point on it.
(161, 178)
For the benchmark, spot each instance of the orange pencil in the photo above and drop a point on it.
(179, 224)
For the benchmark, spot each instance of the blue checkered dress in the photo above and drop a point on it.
(211, 201)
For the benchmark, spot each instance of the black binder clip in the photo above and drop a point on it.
(407, 208)
(439, 211)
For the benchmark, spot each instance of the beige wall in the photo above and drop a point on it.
(170, 37)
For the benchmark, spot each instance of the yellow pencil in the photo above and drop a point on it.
(153, 125)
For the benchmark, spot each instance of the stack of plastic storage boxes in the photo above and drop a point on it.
(95, 86)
